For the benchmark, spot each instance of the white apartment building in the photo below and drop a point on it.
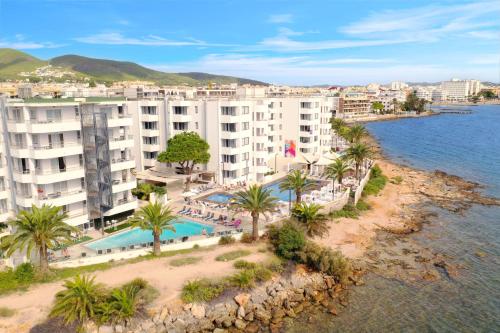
(424, 92)
(460, 90)
(76, 154)
(398, 85)
(246, 133)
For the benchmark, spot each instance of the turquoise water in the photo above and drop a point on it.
(275, 192)
(467, 146)
(183, 228)
(219, 197)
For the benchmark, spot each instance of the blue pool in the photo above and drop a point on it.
(137, 236)
(275, 192)
(219, 197)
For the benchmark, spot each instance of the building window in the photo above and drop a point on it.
(229, 158)
(150, 125)
(180, 126)
(305, 105)
(229, 143)
(196, 125)
(246, 126)
(228, 110)
(150, 155)
(228, 127)
(245, 156)
(246, 141)
(151, 110)
(245, 109)
(181, 110)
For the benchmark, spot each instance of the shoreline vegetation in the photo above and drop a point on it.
(395, 205)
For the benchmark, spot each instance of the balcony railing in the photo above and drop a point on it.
(118, 202)
(120, 160)
(55, 195)
(57, 145)
(55, 120)
(56, 171)
(24, 172)
(123, 138)
(123, 181)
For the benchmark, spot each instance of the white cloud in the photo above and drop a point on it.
(486, 59)
(280, 18)
(115, 38)
(303, 70)
(485, 34)
(20, 42)
(433, 20)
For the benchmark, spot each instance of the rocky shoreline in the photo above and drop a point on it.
(261, 309)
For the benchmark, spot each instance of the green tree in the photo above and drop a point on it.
(188, 149)
(340, 128)
(256, 200)
(337, 170)
(309, 216)
(92, 84)
(79, 301)
(395, 105)
(156, 218)
(40, 229)
(298, 182)
(377, 106)
(356, 133)
(358, 153)
(123, 303)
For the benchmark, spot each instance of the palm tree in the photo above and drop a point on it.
(339, 127)
(356, 133)
(358, 153)
(123, 302)
(255, 200)
(155, 217)
(314, 222)
(297, 182)
(79, 301)
(41, 228)
(337, 170)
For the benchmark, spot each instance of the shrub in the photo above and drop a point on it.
(348, 211)
(228, 256)
(396, 180)
(185, 261)
(288, 239)
(244, 279)
(201, 290)
(376, 182)
(262, 273)
(362, 205)
(225, 240)
(243, 264)
(25, 273)
(325, 260)
(275, 264)
(6, 312)
(246, 238)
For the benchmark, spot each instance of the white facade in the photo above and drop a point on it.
(398, 85)
(246, 133)
(460, 90)
(42, 145)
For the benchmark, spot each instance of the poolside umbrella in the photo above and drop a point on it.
(323, 161)
(188, 194)
(304, 158)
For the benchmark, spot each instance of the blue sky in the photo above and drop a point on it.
(287, 42)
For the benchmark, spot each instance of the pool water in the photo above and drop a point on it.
(183, 227)
(275, 192)
(219, 197)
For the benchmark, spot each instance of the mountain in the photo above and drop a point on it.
(12, 62)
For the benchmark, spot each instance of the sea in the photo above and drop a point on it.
(466, 145)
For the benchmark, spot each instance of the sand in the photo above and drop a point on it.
(33, 306)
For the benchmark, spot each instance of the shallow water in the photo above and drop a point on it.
(468, 146)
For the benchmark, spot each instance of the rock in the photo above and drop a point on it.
(429, 276)
(299, 308)
(278, 315)
(252, 328)
(259, 296)
(118, 329)
(179, 325)
(290, 313)
(241, 312)
(332, 310)
(296, 297)
(480, 254)
(219, 330)
(262, 315)
(106, 329)
(198, 311)
(249, 316)
(227, 322)
(188, 306)
(146, 325)
(240, 324)
(242, 299)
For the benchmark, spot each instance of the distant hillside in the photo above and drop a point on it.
(12, 62)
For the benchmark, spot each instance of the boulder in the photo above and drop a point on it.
(249, 316)
(242, 299)
(252, 328)
(240, 324)
(241, 312)
(106, 329)
(259, 296)
(262, 315)
(198, 311)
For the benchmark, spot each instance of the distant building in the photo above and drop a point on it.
(398, 85)
(353, 105)
(460, 90)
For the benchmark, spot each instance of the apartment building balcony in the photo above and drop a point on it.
(122, 205)
(19, 150)
(62, 198)
(56, 150)
(4, 193)
(122, 163)
(261, 153)
(233, 166)
(233, 135)
(150, 132)
(308, 122)
(24, 199)
(124, 120)
(261, 168)
(48, 176)
(150, 117)
(5, 215)
(151, 147)
(17, 126)
(260, 138)
(22, 176)
(181, 118)
(232, 150)
(77, 216)
(149, 162)
(54, 125)
(120, 185)
(310, 144)
(121, 142)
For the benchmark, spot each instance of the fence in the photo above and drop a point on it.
(360, 188)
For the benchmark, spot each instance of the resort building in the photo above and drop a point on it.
(460, 90)
(353, 105)
(73, 153)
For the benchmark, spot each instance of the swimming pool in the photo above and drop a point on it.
(219, 197)
(137, 236)
(275, 192)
